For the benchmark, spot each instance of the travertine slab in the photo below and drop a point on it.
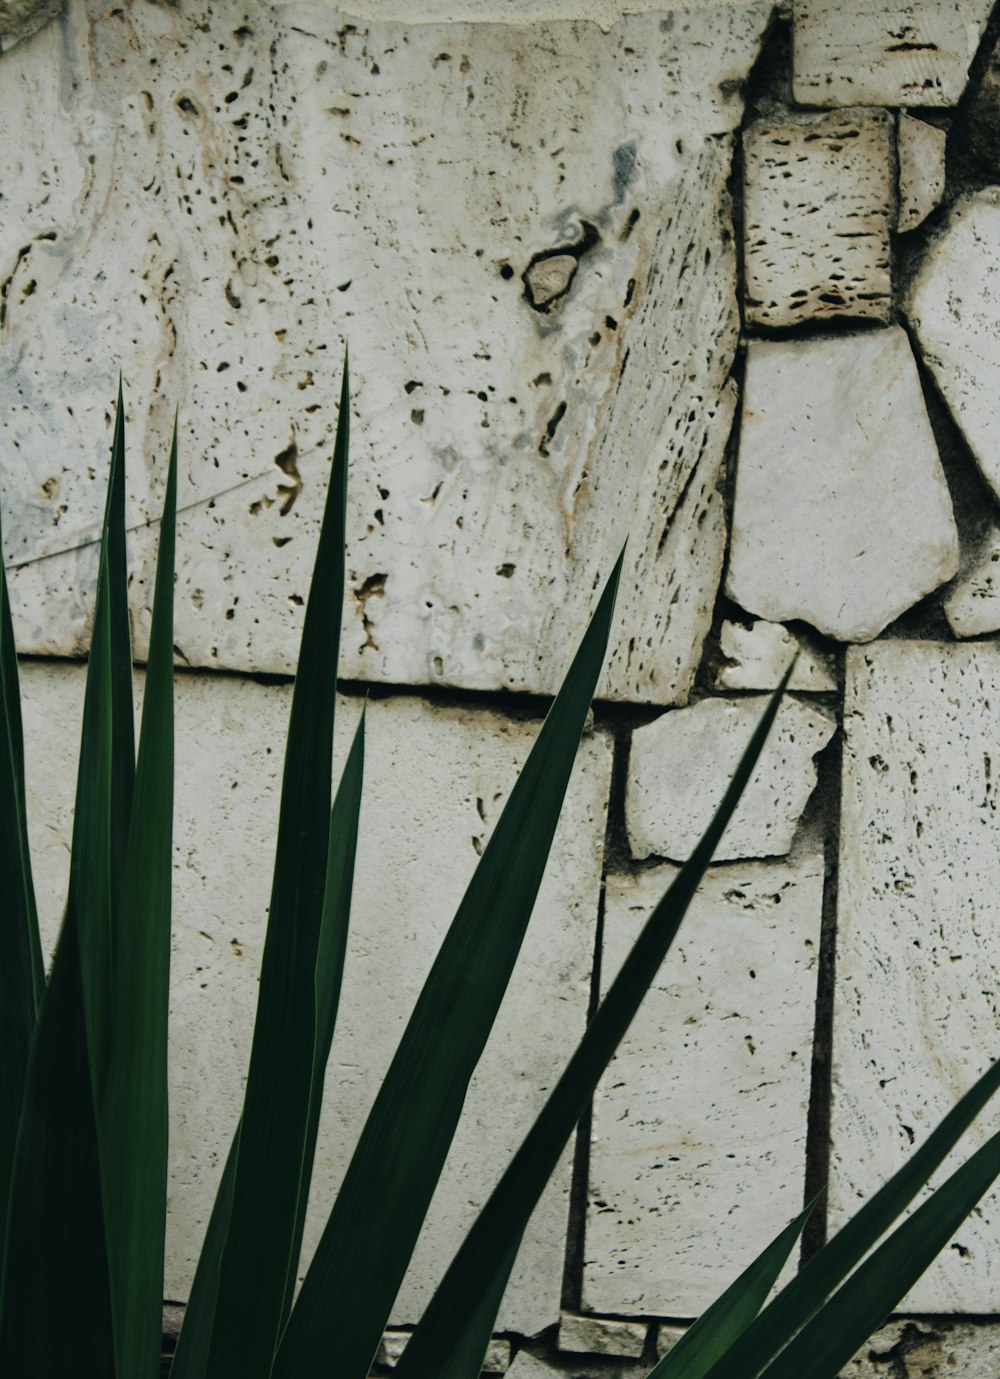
(435, 781)
(756, 657)
(681, 764)
(883, 51)
(818, 201)
(601, 1336)
(921, 1349)
(226, 201)
(973, 606)
(841, 515)
(955, 309)
(921, 147)
(918, 950)
(698, 1149)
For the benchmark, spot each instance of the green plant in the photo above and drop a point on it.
(83, 1105)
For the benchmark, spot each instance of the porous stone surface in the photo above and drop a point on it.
(973, 606)
(393, 1344)
(698, 1143)
(666, 1338)
(230, 232)
(915, 1012)
(817, 205)
(756, 657)
(601, 1336)
(921, 147)
(529, 1366)
(680, 766)
(842, 516)
(20, 19)
(435, 780)
(954, 306)
(915, 53)
(922, 1348)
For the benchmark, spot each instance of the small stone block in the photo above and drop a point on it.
(601, 1336)
(756, 657)
(497, 1357)
(926, 1348)
(921, 170)
(973, 606)
(818, 203)
(667, 1337)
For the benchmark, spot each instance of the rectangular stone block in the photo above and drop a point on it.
(698, 1149)
(436, 779)
(918, 951)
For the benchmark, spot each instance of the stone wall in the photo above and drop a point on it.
(723, 280)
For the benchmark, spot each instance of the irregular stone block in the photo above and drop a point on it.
(756, 657)
(393, 1344)
(235, 233)
(529, 1366)
(954, 307)
(977, 134)
(864, 528)
(19, 19)
(680, 765)
(601, 1336)
(921, 170)
(817, 205)
(918, 943)
(973, 606)
(886, 52)
(698, 1148)
(436, 779)
(923, 1348)
(667, 1337)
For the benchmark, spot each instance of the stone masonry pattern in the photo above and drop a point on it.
(721, 280)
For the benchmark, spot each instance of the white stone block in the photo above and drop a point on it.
(842, 516)
(924, 1348)
(681, 764)
(973, 606)
(436, 779)
(818, 200)
(667, 1337)
(601, 1336)
(921, 149)
(391, 183)
(918, 942)
(698, 1149)
(886, 52)
(756, 657)
(955, 308)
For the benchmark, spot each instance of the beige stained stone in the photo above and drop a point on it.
(529, 1366)
(954, 306)
(838, 431)
(923, 1348)
(20, 19)
(698, 1142)
(756, 657)
(393, 1344)
(817, 205)
(601, 1336)
(680, 765)
(435, 781)
(973, 606)
(915, 1014)
(921, 149)
(666, 1338)
(221, 236)
(884, 52)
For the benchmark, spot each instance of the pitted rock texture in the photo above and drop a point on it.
(601, 1336)
(884, 52)
(20, 19)
(435, 779)
(817, 205)
(954, 307)
(756, 657)
(924, 1348)
(842, 516)
(698, 1145)
(921, 150)
(973, 606)
(230, 232)
(916, 1001)
(530, 1366)
(681, 763)
(393, 1343)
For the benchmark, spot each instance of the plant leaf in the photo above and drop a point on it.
(728, 1317)
(843, 1325)
(257, 1255)
(806, 1293)
(22, 977)
(363, 1253)
(436, 1345)
(134, 1107)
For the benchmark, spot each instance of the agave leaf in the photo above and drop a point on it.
(22, 977)
(257, 1255)
(728, 1317)
(843, 1325)
(440, 1348)
(134, 1105)
(354, 1277)
(803, 1297)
